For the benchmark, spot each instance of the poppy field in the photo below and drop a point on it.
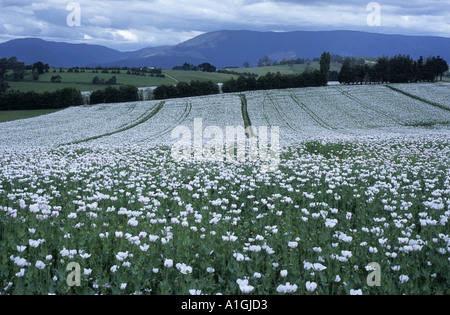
(93, 202)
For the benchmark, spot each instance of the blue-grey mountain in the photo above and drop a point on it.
(57, 54)
(231, 48)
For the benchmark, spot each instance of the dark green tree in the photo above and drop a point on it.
(430, 69)
(56, 79)
(199, 88)
(35, 74)
(183, 89)
(18, 69)
(112, 95)
(164, 92)
(189, 67)
(401, 69)
(360, 72)
(69, 97)
(129, 93)
(230, 86)
(333, 75)
(207, 67)
(3, 86)
(112, 80)
(3, 70)
(441, 66)
(346, 75)
(419, 71)
(96, 80)
(40, 67)
(97, 97)
(382, 70)
(48, 100)
(325, 61)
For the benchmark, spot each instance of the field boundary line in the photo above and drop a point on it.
(151, 113)
(171, 77)
(418, 98)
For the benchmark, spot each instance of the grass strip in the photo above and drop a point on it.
(246, 117)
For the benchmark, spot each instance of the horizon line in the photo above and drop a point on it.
(80, 42)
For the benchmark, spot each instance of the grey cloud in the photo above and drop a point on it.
(132, 24)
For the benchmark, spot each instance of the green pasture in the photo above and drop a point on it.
(83, 80)
(24, 114)
(285, 69)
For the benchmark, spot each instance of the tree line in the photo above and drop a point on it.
(272, 81)
(65, 98)
(204, 67)
(397, 69)
(266, 61)
(281, 81)
(245, 83)
(10, 70)
(227, 71)
(126, 93)
(184, 89)
(14, 70)
(48, 100)
(100, 81)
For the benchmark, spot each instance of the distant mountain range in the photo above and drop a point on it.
(230, 48)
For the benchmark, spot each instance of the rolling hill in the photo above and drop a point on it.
(56, 54)
(231, 48)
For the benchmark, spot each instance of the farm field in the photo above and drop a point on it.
(429, 92)
(83, 81)
(342, 112)
(285, 69)
(23, 114)
(188, 76)
(359, 202)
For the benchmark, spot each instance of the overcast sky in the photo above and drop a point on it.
(130, 25)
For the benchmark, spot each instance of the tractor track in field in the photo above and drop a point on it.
(281, 113)
(246, 117)
(311, 114)
(277, 111)
(355, 99)
(144, 118)
(181, 119)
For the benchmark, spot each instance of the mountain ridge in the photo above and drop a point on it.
(230, 48)
(57, 54)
